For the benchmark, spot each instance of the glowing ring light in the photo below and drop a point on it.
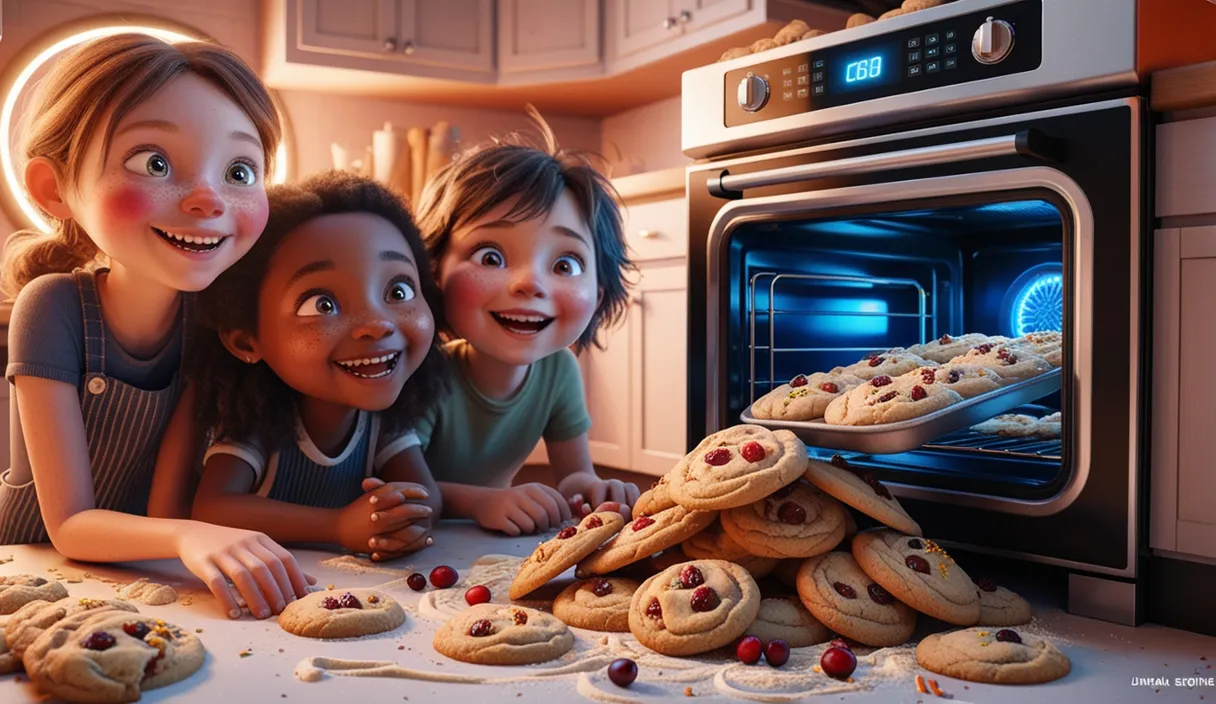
(15, 184)
(1039, 303)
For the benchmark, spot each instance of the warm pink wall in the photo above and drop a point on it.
(647, 138)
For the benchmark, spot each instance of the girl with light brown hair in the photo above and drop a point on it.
(150, 159)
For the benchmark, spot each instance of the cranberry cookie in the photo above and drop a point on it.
(947, 347)
(861, 490)
(1000, 606)
(562, 552)
(894, 362)
(919, 573)
(714, 543)
(1049, 345)
(804, 397)
(20, 589)
(1012, 364)
(991, 656)
(796, 521)
(597, 604)
(642, 538)
(654, 499)
(494, 634)
(844, 598)
(351, 613)
(694, 607)
(1008, 424)
(885, 399)
(29, 622)
(736, 466)
(786, 619)
(966, 380)
(111, 657)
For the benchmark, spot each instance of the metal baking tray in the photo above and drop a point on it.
(890, 438)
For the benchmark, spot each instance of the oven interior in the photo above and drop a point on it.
(812, 292)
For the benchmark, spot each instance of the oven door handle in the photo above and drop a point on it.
(1028, 143)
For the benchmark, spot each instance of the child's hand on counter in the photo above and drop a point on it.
(606, 495)
(523, 509)
(264, 573)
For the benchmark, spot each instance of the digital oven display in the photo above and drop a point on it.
(872, 68)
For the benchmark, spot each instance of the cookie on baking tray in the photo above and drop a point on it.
(947, 347)
(29, 622)
(597, 604)
(1047, 344)
(563, 551)
(1012, 364)
(496, 634)
(919, 573)
(861, 490)
(786, 619)
(966, 380)
(804, 397)
(20, 589)
(993, 656)
(886, 399)
(1009, 425)
(736, 466)
(894, 362)
(842, 597)
(694, 607)
(654, 499)
(714, 543)
(645, 536)
(349, 613)
(1050, 425)
(111, 657)
(1000, 606)
(797, 520)
(857, 19)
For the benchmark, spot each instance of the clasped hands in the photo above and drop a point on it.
(388, 521)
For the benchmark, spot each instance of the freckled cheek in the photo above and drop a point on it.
(250, 212)
(466, 293)
(576, 302)
(126, 205)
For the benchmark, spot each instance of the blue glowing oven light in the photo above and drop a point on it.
(863, 69)
(1039, 306)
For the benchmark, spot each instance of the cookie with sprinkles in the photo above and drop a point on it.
(919, 573)
(861, 490)
(993, 656)
(804, 397)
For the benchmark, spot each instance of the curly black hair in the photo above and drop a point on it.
(239, 401)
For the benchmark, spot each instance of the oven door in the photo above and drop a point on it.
(1001, 226)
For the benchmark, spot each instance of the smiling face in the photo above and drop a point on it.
(519, 292)
(341, 317)
(179, 197)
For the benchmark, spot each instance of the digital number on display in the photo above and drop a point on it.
(863, 70)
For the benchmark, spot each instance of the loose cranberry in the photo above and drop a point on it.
(139, 629)
(481, 628)
(98, 640)
(717, 457)
(879, 595)
(840, 643)
(593, 522)
(567, 532)
(519, 617)
(416, 581)
(443, 577)
(791, 513)
(349, 601)
(916, 563)
(602, 587)
(844, 590)
(691, 577)
(887, 396)
(623, 672)
(915, 544)
(799, 380)
(654, 609)
(642, 522)
(955, 375)
(876, 361)
(986, 584)
(838, 663)
(749, 650)
(704, 599)
(776, 652)
(928, 376)
(829, 387)
(752, 451)
(880, 381)
(918, 392)
(945, 339)
(330, 603)
(1007, 636)
(479, 594)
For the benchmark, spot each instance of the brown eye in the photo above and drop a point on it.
(400, 292)
(319, 304)
(489, 256)
(568, 266)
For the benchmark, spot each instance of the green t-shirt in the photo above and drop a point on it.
(468, 438)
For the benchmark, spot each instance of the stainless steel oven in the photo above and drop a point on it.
(976, 167)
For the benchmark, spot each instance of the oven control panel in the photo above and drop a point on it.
(973, 47)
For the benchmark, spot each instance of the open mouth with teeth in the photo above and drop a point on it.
(522, 324)
(190, 243)
(370, 367)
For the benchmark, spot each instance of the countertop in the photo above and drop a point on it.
(651, 185)
(1184, 88)
(254, 661)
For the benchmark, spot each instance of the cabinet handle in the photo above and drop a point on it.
(408, 47)
(669, 23)
(685, 17)
(648, 234)
(390, 44)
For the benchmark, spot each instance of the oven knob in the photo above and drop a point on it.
(992, 41)
(753, 93)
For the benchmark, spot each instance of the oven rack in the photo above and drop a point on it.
(1022, 448)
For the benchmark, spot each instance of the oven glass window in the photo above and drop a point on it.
(811, 294)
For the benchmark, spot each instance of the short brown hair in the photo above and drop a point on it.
(485, 177)
(114, 74)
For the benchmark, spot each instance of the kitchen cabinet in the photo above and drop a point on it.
(639, 25)
(539, 36)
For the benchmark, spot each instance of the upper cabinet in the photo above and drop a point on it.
(540, 36)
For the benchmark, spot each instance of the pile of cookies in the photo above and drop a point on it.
(797, 29)
(89, 650)
(908, 382)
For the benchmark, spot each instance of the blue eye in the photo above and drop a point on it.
(148, 163)
(568, 265)
(319, 304)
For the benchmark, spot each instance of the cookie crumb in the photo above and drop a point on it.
(246, 653)
(1203, 657)
(400, 647)
(330, 587)
(75, 581)
(280, 650)
(6, 560)
(198, 630)
(688, 691)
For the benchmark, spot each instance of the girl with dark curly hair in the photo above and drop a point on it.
(318, 356)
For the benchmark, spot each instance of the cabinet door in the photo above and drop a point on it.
(696, 14)
(638, 25)
(344, 27)
(541, 35)
(658, 322)
(451, 33)
(606, 375)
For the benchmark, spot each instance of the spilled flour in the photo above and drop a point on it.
(362, 565)
(495, 572)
